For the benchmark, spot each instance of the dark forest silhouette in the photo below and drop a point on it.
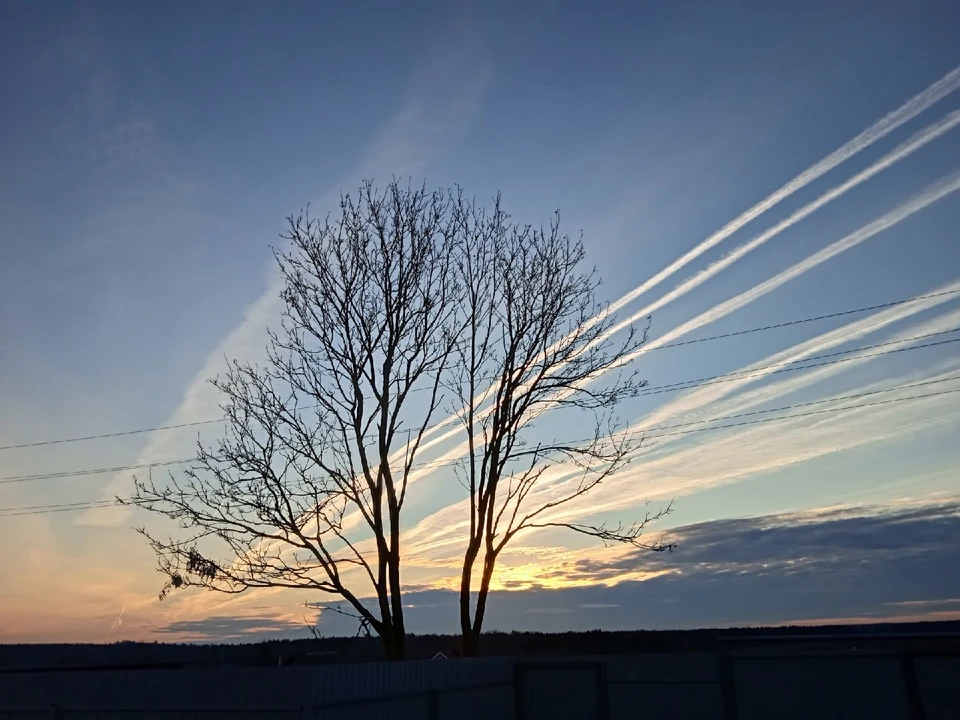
(272, 653)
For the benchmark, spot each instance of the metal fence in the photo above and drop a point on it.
(738, 685)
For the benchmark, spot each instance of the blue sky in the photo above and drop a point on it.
(152, 152)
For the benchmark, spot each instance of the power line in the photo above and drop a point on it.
(93, 471)
(681, 343)
(794, 406)
(676, 387)
(110, 434)
(809, 319)
(84, 503)
(66, 507)
(43, 509)
(778, 367)
(808, 414)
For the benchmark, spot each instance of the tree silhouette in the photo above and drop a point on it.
(534, 339)
(406, 303)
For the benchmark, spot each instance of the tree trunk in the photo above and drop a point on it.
(466, 621)
(394, 643)
(471, 643)
(470, 627)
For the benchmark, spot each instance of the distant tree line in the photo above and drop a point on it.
(344, 649)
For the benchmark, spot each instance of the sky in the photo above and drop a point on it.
(730, 167)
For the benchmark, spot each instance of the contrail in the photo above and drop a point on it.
(693, 403)
(925, 136)
(928, 196)
(883, 127)
(913, 107)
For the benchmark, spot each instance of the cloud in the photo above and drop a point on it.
(866, 562)
(224, 628)
(429, 122)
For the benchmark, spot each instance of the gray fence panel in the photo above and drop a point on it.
(666, 667)
(938, 679)
(486, 703)
(852, 688)
(283, 689)
(339, 683)
(153, 689)
(25, 691)
(665, 701)
(410, 708)
(561, 691)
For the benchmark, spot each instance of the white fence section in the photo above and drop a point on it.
(705, 686)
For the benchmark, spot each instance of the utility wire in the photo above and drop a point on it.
(779, 367)
(809, 319)
(676, 387)
(40, 510)
(65, 507)
(681, 343)
(807, 414)
(111, 434)
(94, 471)
(839, 398)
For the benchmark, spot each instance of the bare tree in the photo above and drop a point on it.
(309, 459)
(406, 301)
(534, 339)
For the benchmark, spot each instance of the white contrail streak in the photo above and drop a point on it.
(927, 197)
(906, 112)
(924, 137)
(930, 195)
(694, 403)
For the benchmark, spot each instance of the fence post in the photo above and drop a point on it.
(433, 705)
(912, 687)
(728, 687)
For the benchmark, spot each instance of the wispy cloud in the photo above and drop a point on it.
(426, 125)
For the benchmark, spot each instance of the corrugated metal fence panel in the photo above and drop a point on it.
(180, 714)
(697, 667)
(867, 687)
(483, 703)
(666, 701)
(561, 691)
(675, 686)
(408, 708)
(160, 689)
(24, 691)
(280, 688)
(938, 679)
(339, 683)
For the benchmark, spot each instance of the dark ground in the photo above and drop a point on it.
(908, 636)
